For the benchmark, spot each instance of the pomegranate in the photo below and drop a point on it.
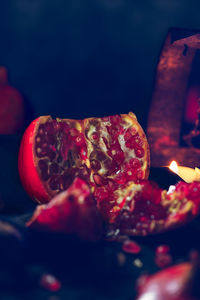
(149, 209)
(12, 106)
(173, 283)
(108, 153)
(73, 212)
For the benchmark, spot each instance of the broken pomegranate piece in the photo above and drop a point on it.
(72, 212)
(149, 209)
(108, 153)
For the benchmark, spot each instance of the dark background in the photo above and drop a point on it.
(75, 59)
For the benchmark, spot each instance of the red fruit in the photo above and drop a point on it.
(54, 152)
(12, 106)
(72, 212)
(148, 209)
(172, 283)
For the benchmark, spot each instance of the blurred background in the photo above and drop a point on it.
(76, 59)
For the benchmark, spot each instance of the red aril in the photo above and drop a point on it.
(147, 209)
(54, 152)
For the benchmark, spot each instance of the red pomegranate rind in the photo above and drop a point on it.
(27, 166)
(12, 106)
(151, 210)
(72, 212)
(170, 283)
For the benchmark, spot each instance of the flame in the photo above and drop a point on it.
(173, 166)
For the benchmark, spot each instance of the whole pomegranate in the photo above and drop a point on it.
(11, 108)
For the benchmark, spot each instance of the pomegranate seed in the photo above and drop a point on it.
(139, 152)
(101, 193)
(120, 178)
(83, 154)
(134, 163)
(79, 140)
(50, 283)
(130, 246)
(163, 260)
(140, 174)
(115, 120)
(130, 175)
(95, 136)
(182, 189)
(162, 249)
(74, 132)
(121, 258)
(99, 180)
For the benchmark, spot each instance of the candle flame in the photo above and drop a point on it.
(173, 166)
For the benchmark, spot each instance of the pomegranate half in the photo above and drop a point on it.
(108, 153)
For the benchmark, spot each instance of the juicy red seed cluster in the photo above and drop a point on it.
(58, 156)
(144, 208)
(190, 191)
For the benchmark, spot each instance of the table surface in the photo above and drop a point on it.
(85, 270)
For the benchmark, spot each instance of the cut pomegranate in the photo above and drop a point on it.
(173, 283)
(72, 212)
(12, 106)
(148, 209)
(108, 153)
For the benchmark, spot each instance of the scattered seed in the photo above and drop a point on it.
(137, 263)
(50, 283)
(121, 258)
(130, 246)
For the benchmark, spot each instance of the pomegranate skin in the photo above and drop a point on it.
(12, 106)
(26, 164)
(168, 284)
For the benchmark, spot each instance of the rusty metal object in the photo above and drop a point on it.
(168, 100)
